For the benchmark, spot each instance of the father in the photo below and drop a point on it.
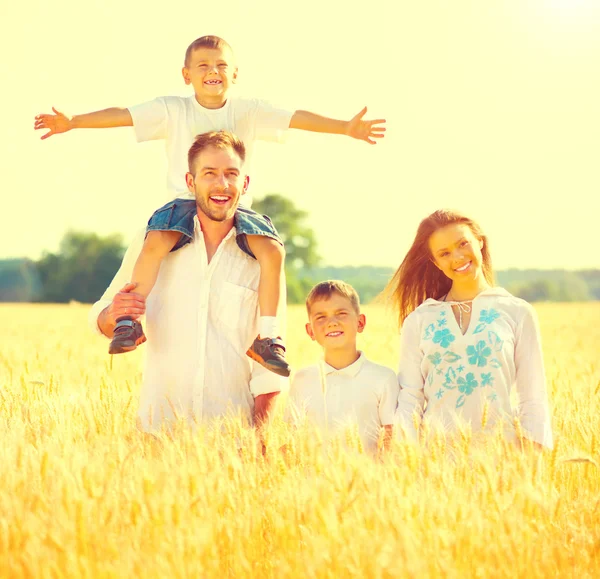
(203, 311)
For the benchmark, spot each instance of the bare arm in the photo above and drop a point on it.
(356, 127)
(59, 123)
(388, 434)
(264, 406)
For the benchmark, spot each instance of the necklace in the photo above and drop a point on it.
(462, 307)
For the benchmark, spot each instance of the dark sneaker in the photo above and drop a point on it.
(128, 335)
(270, 353)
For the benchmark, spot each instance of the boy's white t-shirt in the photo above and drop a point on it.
(364, 394)
(178, 120)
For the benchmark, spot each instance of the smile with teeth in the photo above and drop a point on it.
(213, 81)
(463, 267)
(334, 334)
(220, 199)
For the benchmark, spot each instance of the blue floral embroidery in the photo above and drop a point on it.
(450, 379)
(487, 379)
(461, 401)
(493, 397)
(429, 332)
(478, 354)
(442, 322)
(439, 371)
(488, 316)
(495, 363)
(439, 393)
(451, 356)
(443, 337)
(443, 314)
(461, 368)
(435, 359)
(467, 384)
(495, 341)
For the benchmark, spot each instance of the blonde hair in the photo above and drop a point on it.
(214, 42)
(325, 289)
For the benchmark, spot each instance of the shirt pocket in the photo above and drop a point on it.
(238, 307)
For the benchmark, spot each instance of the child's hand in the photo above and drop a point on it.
(57, 123)
(365, 130)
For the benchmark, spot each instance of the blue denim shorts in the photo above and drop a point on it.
(178, 215)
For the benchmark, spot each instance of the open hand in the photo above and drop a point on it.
(57, 123)
(365, 130)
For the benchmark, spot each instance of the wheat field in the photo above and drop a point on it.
(83, 493)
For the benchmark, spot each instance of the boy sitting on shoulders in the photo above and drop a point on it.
(345, 388)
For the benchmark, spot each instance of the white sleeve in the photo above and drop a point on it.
(271, 122)
(534, 412)
(263, 381)
(122, 277)
(411, 399)
(389, 399)
(150, 120)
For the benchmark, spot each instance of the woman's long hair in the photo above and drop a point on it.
(418, 278)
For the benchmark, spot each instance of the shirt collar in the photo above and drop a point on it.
(350, 371)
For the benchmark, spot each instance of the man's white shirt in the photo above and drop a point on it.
(178, 120)
(200, 319)
(363, 394)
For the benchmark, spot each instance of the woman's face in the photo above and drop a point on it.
(456, 251)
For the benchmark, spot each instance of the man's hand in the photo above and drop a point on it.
(57, 123)
(365, 130)
(125, 303)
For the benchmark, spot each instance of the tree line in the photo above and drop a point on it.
(85, 263)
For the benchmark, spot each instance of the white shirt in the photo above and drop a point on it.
(363, 394)
(179, 120)
(449, 378)
(200, 320)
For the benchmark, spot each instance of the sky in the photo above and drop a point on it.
(492, 108)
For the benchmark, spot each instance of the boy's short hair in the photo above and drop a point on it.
(214, 42)
(325, 289)
(218, 140)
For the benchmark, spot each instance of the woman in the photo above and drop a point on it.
(464, 342)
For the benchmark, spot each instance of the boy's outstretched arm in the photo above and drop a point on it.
(356, 127)
(104, 119)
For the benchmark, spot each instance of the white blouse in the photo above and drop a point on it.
(449, 378)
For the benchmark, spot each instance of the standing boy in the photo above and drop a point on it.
(345, 388)
(209, 66)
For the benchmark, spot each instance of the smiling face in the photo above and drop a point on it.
(218, 182)
(456, 251)
(211, 71)
(334, 323)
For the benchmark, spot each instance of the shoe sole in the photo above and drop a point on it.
(284, 372)
(121, 349)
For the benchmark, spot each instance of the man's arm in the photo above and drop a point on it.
(356, 127)
(104, 119)
(264, 406)
(119, 299)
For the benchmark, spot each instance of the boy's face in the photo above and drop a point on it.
(211, 71)
(334, 323)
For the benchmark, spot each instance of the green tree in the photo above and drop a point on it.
(82, 269)
(19, 280)
(299, 239)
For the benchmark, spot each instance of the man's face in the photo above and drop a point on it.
(211, 71)
(334, 323)
(218, 182)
